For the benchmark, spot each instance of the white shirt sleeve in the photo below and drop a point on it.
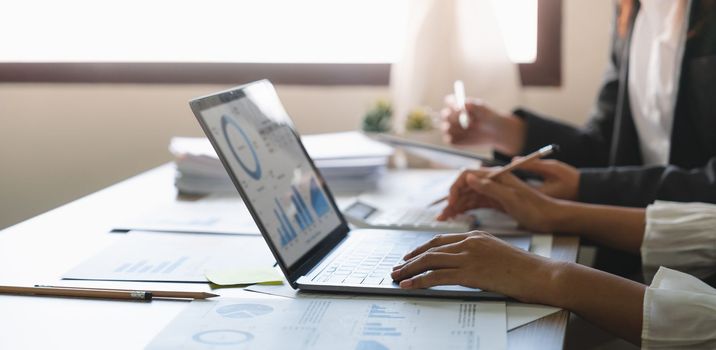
(680, 236)
(679, 313)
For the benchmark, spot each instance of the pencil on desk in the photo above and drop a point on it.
(155, 293)
(78, 293)
(540, 153)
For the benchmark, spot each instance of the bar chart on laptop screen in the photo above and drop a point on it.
(269, 164)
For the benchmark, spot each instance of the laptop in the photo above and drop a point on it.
(295, 210)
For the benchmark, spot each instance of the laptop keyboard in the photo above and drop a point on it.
(367, 264)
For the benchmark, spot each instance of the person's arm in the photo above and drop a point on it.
(523, 132)
(609, 301)
(680, 236)
(617, 227)
(679, 312)
(486, 126)
(638, 186)
(480, 260)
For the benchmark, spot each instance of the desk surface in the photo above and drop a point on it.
(40, 250)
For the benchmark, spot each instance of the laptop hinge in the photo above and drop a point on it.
(318, 253)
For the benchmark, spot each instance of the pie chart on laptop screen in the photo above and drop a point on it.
(241, 147)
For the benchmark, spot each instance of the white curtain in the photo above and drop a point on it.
(448, 40)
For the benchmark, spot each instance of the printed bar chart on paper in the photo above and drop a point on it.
(145, 266)
(172, 257)
(218, 213)
(344, 324)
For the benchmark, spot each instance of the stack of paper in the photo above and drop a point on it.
(348, 161)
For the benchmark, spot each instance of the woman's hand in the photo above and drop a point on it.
(477, 260)
(532, 209)
(462, 197)
(486, 127)
(480, 260)
(560, 180)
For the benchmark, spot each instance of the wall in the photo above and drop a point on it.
(59, 142)
(586, 31)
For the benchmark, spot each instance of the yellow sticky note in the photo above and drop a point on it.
(262, 275)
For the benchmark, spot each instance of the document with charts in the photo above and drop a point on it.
(335, 323)
(172, 257)
(217, 213)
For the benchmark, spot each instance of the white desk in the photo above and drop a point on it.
(40, 250)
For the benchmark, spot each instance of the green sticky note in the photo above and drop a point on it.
(229, 277)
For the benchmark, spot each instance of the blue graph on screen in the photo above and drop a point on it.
(286, 231)
(226, 123)
(303, 215)
(318, 199)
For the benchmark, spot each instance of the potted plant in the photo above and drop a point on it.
(419, 126)
(378, 118)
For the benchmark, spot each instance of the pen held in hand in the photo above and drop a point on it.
(540, 153)
(460, 100)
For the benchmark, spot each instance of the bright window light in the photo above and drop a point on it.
(518, 22)
(276, 31)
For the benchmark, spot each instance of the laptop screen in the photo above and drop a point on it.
(255, 137)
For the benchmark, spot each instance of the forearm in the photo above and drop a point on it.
(610, 302)
(639, 186)
(617, 227)
(509, 135)
(579, 147)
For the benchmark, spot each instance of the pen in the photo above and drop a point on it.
(78, 293)
(155, 293)
(540, 153)
(460, 98)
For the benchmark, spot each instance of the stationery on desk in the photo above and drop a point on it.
(102, 293)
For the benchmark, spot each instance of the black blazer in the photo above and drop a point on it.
(607, 147)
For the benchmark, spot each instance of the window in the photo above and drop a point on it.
(518, 27)
(277, 31)
(219, 41)
(210, 41)
(546, 70)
